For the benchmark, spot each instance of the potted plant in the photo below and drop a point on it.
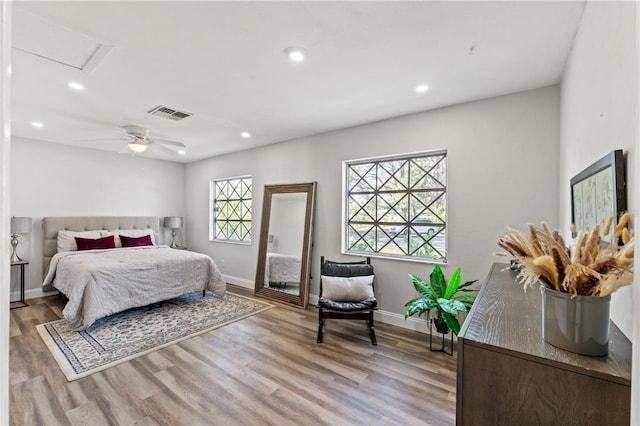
(442, 296)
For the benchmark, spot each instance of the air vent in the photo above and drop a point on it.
(171, 114)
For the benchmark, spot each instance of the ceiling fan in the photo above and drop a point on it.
(138, 140)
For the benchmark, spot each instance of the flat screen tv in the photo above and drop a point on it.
(599, 191)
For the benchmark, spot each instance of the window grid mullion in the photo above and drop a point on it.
(228, 197)
(415, 242)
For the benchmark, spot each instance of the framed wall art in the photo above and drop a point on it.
(599, 191)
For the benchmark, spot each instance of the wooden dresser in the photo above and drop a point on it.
(508, 375)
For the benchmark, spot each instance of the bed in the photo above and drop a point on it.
(104, 281)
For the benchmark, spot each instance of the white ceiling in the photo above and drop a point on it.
(224, 63)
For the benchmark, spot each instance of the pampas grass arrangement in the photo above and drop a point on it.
(591, 270)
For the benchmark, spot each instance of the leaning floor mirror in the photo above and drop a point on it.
(284, 254)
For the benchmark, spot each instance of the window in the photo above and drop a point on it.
(230, 218)
(397, 206)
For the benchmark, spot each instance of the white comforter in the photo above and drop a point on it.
(282, 268)
(99, 283)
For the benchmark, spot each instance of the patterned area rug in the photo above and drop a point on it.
(138, 331)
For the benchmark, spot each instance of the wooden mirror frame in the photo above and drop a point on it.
(302, 299)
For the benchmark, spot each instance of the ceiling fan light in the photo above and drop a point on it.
(137, 146)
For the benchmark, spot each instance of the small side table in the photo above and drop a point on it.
(20, 303)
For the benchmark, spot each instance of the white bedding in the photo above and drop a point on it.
(282, 268)
(99, 283)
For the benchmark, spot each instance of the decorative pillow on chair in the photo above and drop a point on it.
(145, 240)
(66, 239)
(351, 289)
(98, 243)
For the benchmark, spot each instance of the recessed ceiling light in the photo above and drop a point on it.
(295, 54)
(182, 152)
(75, 85)
(245, 135)
(422, 88)
(37, 124)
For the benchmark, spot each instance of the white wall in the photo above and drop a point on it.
(599, 113)
(5, 191)
(502, 170)
(60, 180)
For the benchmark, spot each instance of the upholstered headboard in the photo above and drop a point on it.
(51, 226)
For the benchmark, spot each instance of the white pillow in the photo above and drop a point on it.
(67, 242)
(351, 289)
(132, 233)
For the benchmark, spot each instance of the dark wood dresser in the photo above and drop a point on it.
(508, 375)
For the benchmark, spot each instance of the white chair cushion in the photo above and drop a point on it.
(351, 289)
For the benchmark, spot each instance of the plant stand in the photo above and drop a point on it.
(443, 337)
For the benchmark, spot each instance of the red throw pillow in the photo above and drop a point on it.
(99, 243)
(145, 240)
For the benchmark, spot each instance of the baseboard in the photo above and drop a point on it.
(32, 294)
(240, 282)
(313, 299)
(243, 282)
(416, 324)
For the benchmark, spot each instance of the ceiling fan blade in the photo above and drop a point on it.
(163, 149)
(104, 139)
(126, 150)
(167, 142)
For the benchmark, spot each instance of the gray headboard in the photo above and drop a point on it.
(51, 226)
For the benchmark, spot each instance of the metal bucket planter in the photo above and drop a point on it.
(578, 324)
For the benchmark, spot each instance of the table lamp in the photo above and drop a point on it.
(175, 223)
(19, 225)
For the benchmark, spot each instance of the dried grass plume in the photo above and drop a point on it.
(591, 270)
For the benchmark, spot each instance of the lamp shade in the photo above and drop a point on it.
(173, 222)
(20, 225)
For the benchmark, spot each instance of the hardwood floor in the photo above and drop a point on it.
(263, 370)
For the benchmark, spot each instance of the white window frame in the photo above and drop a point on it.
(438, 246)
(213, 201)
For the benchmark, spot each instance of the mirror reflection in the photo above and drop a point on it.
(284, 254)
(284, 242)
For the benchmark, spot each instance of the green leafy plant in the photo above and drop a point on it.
(425, 251)
(442, 296)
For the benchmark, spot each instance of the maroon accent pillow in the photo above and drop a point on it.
(145, 240)
(99, 243)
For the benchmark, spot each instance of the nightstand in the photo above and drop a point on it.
(20, 303)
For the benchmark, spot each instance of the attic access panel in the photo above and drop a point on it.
(53, 41)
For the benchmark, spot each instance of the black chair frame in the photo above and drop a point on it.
(351, 314)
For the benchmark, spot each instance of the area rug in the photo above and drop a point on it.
(135, 332)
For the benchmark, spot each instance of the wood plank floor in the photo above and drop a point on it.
(263, 370)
